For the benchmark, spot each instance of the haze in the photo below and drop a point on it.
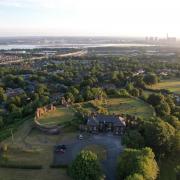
(89, 17)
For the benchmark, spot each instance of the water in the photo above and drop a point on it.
(33, 46)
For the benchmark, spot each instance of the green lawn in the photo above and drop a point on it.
(173, 85)
(59, 116)
(130, 106)
(44, 174)
(34, 148)
(41, 155)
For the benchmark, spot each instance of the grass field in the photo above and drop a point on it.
(59, 116)
(47, 174)
(130, 106)
(33, 148)
(41, 156)
(172, 85)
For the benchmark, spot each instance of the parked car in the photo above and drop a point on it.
(80, 137)
(60, 148)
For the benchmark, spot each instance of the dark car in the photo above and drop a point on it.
(60, 148)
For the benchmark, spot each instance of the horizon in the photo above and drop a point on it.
(115, 18)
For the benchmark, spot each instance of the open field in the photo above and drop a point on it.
(172, 85)
(43, 157)
(130, 106)
(44, 174)
(33, 148)
(57, 117)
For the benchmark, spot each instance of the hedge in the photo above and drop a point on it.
(20, 166)
(65, 166)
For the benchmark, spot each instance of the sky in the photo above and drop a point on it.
(90, 18)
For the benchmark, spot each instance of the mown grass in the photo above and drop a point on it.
(172, 85)
(132, 106)
(47, 174)
(35, 151)
(59, 116)
(33, 148)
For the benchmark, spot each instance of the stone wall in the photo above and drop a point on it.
(45, 128)
(43, 110)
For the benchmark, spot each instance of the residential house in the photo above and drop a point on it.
(105, 123)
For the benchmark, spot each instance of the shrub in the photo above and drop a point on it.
(19, 166)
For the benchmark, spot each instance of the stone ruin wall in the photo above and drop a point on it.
(43, 110)
(44, 128)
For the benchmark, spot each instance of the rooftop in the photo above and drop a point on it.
(97, 119)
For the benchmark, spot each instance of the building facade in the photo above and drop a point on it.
(105, 123)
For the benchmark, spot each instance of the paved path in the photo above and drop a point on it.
(110, 142)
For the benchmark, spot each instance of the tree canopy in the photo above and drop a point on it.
(137, 164)
(158, 135)
(86, 167)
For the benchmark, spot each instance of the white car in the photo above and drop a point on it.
(80, 137)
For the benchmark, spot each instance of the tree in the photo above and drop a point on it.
(12, 107)
(155, 99)
(41, 88)
(70, 96)
(98, 93)
(141, 162)
(2, 94)
(129, 86)
(163, 109)
(134, 92)
(114, 76)
(177, 171)
(135, 176)
(87, 94)
(74, 91)
(170, 102)
(123, 93)
(85, 167)
(1, 122)
(15, 100)
(174, 121)
(176, 145)
(150, 79)
(158, 135)
(133, 139)
(139, 82)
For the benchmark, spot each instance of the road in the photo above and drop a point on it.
(75, 54)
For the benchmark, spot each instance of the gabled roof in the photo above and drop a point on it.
(97, 119)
